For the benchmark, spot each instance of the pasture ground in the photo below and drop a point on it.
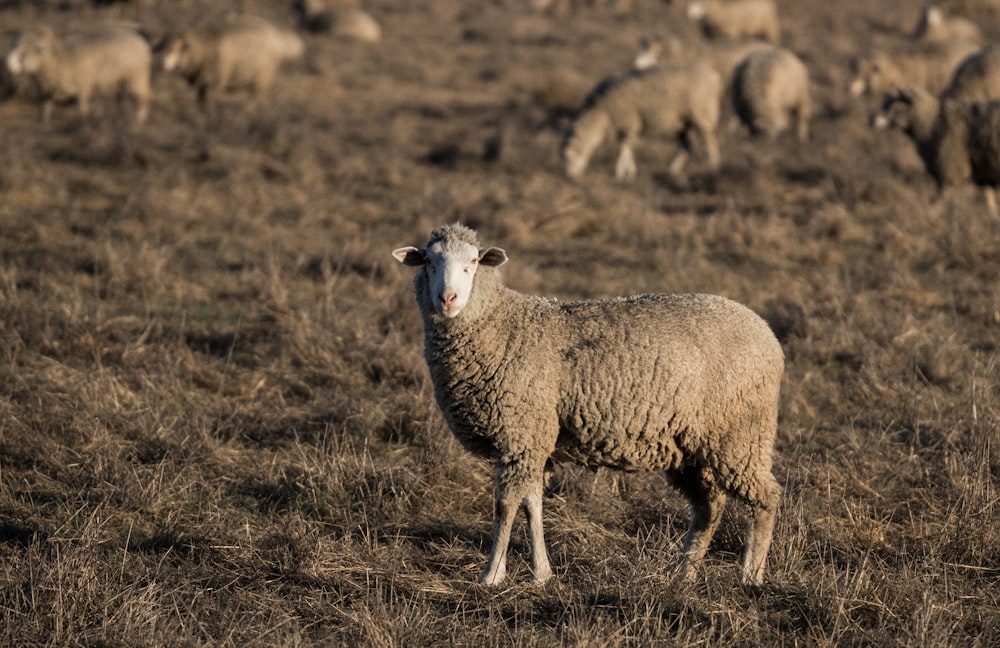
(216, 427)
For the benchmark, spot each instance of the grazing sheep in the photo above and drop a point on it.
(934, 25)
(958, 142)
(345, 21)
(686, 384)
(771, 86)
(236, 53)
(81, 66)
(977, 78)
(735, 19)
(927, 64)
(677, 99)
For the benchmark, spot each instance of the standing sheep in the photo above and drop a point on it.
(771, 86)
(686, 384)
(79, 67)
(237, 53)
(926, 64)
(678, 99)
(934, 25)
(977, 78)
(958, 142)
(736, 19)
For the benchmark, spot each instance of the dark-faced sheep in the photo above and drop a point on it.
(678, 99)
(771, 90)
(685, 384)
(235, 53)
(82, 66)
(958, 142)
(736, 19)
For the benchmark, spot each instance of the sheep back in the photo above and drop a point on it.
(977, 78)
(770, 86)
(736, 19)
(926, 64)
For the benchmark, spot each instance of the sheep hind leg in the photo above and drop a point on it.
(707, 503)
(763, 499)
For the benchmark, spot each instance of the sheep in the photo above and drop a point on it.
(675, 98)
(684, 384)
(240, 52)
(958, 142)
(927, 64)
(81, 66)
(735, 19)
(345, 21)
(769, 87)
(977, 78)
(934, 25)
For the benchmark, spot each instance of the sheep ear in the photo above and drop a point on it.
(494, 257)
(410, 256)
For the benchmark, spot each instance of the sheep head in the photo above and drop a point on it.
(450, 261)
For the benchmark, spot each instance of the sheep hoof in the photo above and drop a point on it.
(541, 577)
(491, 579)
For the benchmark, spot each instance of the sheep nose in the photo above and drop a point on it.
(448, 298)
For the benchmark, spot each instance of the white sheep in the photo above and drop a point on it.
(343, 21)
(958, 142)
(82, 66)
(736, 19)
(927, 64)
(236, 53)
(770, 88)
(934, 25)
(685, 384)
(676, 98)
(977, 77)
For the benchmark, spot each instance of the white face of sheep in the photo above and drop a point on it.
(450, 270)
(174, 54)
(25, 55)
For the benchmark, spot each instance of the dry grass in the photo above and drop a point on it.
(215, 423)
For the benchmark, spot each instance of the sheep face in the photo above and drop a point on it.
(450, 266)
(895, 111)
(696, 11)
(29, 51)
(175, 53)
(865, 74)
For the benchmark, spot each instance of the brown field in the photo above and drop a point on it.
(217, 429)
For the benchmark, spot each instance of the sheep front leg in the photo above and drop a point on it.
(625, 169)
(515, 489)
(539, 557)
